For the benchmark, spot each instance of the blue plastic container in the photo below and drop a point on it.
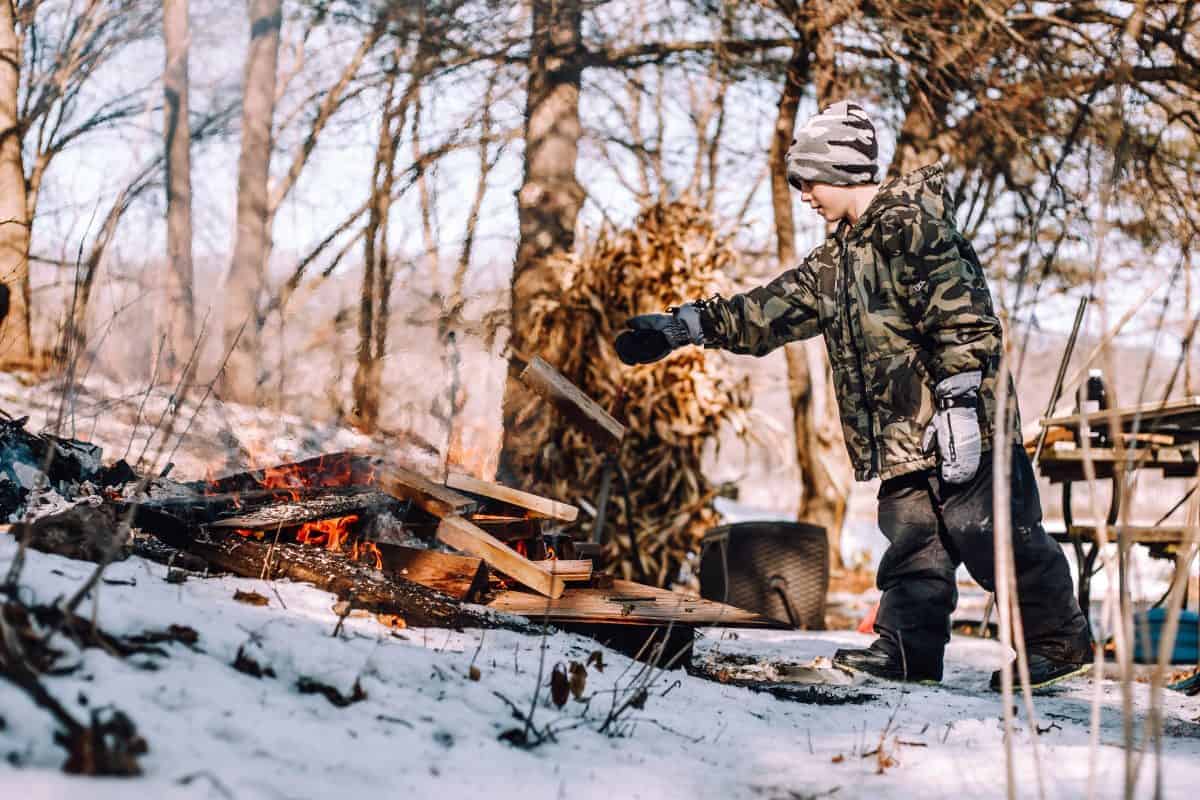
(1147, 632)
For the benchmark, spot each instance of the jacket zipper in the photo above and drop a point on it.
(862, 376)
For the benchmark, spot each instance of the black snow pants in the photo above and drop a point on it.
(933, 527)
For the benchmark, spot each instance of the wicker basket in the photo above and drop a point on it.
(777, 569)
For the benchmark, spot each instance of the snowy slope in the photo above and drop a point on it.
(426, 730)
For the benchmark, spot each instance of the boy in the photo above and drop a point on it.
(901, 300)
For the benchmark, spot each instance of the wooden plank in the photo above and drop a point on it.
(571, 402)
(1151, 415)
(1108, 455)
(1061, 465)
(540, 506)
(571, 571)
(628, 603)
(427, 495)
(1135, 534)
(464, 535)
(462, 577)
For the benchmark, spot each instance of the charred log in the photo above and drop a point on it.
(83, 532)
(326, 505)
(362, 586)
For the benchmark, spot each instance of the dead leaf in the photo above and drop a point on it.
(393, 621)
(250, 598)
(473, 673)
(559, 685)
(839, 758)
(578, 679)
(596, 659)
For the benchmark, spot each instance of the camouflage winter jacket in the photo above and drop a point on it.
(902, 302)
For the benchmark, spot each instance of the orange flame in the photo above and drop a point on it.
(361, 549)
(329, 532)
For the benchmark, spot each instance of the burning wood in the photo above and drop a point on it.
(355, 525)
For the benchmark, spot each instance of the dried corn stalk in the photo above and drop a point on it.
(671, 407)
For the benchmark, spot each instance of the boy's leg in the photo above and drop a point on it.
(1053, 624)
(916, 576)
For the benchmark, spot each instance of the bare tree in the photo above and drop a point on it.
(550, 197)
(51, 57)
(252, 242)
(177, 132)
(16, 344)
(825, 472)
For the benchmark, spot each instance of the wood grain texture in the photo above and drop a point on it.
(1135, 534)
(463, 535)
(538, 505)
(462, 577)
(630, 603)
(427, 495)
(571, 402)
(571, 571)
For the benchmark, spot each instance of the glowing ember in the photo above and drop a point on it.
(331, 533)
(361, 549)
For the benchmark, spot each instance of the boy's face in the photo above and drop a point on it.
(831, 202)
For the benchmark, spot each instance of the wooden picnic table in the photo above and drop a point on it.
(1158, 436)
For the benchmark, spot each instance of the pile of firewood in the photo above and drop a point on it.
(671, 408)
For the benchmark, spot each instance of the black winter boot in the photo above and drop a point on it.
(1044, 672)
(1054, 660)
(882, 660)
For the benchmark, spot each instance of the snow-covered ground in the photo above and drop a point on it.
(426, 729)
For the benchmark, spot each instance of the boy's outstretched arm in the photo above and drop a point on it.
(753, 322)
(762, 319)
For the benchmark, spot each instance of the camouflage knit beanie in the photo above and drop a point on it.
(837, 146)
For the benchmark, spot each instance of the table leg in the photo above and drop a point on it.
(1086, 565)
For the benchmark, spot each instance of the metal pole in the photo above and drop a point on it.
(1062, 372)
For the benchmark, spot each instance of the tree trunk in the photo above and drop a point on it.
(374, 309)
(550, 196)
(16, 343)
(253, 238)
(825, 474)
(180, 305)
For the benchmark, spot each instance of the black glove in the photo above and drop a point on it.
(652, 336)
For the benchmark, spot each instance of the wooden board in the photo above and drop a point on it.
(571, 571)
(434, 498)
(1135, 534)
(630, 603)
(1180, 418)
(1068, 465)
(540, 506)
(463, 535)
(462, 577)
(571, 402)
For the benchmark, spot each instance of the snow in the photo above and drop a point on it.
(426, 729)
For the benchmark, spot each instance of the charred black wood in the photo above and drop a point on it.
(361, 585)
(151, 548)
(326, 505)
(305, 504)
(84, 532)
(60, 460)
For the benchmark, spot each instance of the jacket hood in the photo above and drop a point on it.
(924, 187)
